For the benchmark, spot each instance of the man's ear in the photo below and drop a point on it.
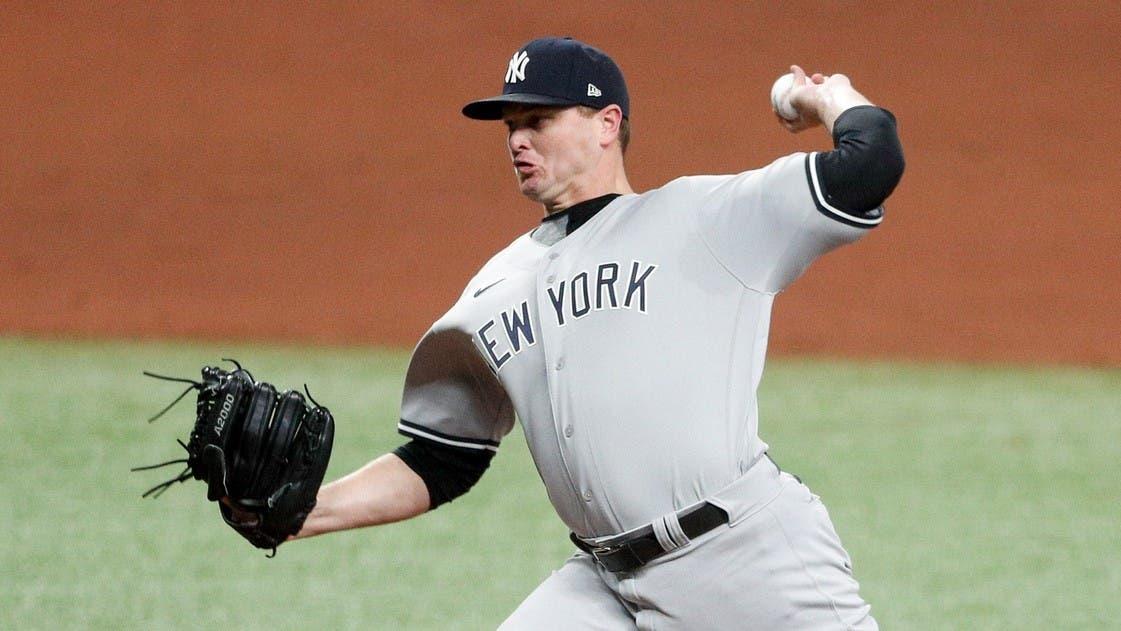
(610, 118)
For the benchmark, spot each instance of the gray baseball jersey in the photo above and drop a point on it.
(631, 349)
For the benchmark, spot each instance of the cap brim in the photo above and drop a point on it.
(491, 109)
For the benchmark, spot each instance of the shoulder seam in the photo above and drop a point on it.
(698, 230)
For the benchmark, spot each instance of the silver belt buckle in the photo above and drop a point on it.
(596, 552)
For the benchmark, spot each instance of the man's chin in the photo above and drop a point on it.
(529, 190)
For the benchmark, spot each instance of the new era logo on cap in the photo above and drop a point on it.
(593, 90)
(516, 70)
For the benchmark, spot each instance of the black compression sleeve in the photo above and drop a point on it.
(448, 472)
(867, 162)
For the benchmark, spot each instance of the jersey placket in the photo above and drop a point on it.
(553, 336)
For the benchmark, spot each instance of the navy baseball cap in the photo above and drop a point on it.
(556, 71)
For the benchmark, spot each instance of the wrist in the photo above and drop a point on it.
(833, 101)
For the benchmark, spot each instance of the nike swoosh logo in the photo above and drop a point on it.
(480, 292)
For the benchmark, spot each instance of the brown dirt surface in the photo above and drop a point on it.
(303, 173)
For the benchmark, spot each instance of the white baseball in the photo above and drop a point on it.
(780, 97)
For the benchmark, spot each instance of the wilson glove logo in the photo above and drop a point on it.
(224, 415)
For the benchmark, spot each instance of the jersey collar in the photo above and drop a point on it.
(579, 214)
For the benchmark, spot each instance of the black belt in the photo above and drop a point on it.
(643, 547)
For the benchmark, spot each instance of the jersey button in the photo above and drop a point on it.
(587, 496)
(554, 256)
(560, 364)
(568, 432)
(551, 279)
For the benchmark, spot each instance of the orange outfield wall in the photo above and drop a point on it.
(303, 173)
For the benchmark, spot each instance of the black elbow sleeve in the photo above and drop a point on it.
(866, 163)
(448, 472)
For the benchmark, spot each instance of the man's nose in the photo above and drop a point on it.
(518, 140)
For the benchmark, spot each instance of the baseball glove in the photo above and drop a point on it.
(262, 454)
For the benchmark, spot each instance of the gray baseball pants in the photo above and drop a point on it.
(779, 566)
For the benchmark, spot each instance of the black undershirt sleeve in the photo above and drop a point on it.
(447, 471)
(866, 163)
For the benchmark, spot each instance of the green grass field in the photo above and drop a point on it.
(969, 498)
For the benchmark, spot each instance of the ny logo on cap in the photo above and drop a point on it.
(516, 70)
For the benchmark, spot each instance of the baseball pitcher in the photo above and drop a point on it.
(627, 333)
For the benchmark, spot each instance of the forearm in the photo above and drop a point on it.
(867, 159)
(384, 491)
